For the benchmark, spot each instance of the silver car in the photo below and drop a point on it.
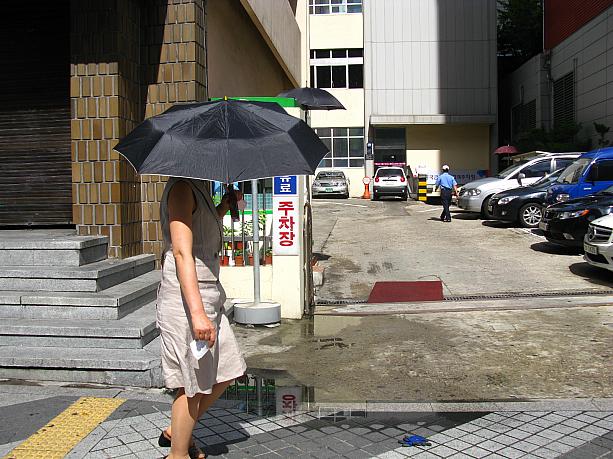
(331, 183)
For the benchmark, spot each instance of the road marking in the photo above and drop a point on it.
(343, 204)
(429, 210)
(65, 431)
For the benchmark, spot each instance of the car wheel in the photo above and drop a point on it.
(530, 215)
(346, 196)
(484, 212)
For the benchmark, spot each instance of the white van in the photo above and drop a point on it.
(475, 196)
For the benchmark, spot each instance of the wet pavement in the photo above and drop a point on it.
(246, 425)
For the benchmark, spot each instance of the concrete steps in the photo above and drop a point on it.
(92, 277)
(44, 248)
(70, 314)
(112, 303)
(127, 367)
(134, 331)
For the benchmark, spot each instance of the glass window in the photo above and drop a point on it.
(346, 146)
(324, 76)
(605, 171)
(539, 169)
(511, 169)
(339, 76)
(345, 68)
(356, 75)
(573, 172)
(335, 6)
(563, 163)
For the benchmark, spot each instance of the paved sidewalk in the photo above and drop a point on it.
(545, 429)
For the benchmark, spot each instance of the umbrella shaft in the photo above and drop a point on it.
(255, 217)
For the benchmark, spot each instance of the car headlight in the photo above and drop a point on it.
(562, 197)
(506, 199)
(316, 183)
(473, 192)
(574, 214)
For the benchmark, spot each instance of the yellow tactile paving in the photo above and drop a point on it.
(65, 431)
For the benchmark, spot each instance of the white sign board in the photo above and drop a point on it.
(288, 399)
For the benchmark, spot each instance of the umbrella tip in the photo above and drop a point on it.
(225, 97)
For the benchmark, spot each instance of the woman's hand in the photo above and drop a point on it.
(203, 329)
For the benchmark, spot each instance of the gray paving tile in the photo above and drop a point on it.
(593, 429)
(106, 443)
(492, 446)
(392, 455)
(573, 423)
(142, 445)
(560, 448)
(518, 434)
(442, 451)
(505, 440)
(583, 435)
(117, 451)
(544, 453)
(475, 451)
(510, 452)
(526, 446)
(130, 438)
(552, 434)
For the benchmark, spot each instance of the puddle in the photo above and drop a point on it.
(479, 355)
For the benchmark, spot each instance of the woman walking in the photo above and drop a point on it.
(190, 306)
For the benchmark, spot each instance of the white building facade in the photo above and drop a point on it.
(418, 79)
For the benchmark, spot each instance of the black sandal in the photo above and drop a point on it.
(194, 451)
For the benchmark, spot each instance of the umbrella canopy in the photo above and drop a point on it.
(506, 150)
(314, 99)
(225, 140)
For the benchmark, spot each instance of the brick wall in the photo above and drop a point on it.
(129, 60)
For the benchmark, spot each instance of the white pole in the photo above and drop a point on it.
(255, 219)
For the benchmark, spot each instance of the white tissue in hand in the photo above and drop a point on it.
(199, 348)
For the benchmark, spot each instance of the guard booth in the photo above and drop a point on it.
(285, 231)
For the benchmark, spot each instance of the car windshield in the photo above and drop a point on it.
(573, 172)
(549, 178)
(511, 169)
(389, 173)
(330, 175)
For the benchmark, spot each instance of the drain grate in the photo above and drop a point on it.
(511, 295)
(479, 296)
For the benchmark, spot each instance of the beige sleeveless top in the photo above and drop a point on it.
(207, 229)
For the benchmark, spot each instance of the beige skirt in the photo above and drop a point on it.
(180, 368)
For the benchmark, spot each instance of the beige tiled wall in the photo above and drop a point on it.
(128, 63)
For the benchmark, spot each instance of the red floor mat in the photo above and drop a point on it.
(400, 292)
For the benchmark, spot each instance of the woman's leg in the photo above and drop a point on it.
(208, 399)
(182, 422)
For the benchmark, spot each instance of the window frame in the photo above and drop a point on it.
(334, 133)
(342, 7)
(317, 63)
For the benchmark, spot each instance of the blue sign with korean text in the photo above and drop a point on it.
(285, 186)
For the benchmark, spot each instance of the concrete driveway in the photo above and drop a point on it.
(360, 242)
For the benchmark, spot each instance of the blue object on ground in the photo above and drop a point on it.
(414, 440)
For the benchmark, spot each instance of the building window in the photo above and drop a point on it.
(564, 100)
(337, 68)
(346, 146)
(335, 6)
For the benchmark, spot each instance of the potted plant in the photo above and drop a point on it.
(268, 257)
(238, 258)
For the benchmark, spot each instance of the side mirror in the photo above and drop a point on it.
(520, 177)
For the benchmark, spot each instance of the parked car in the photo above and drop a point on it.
(566, 223)
(390, 181)
(592, 172)
(475, 196)
(524, 204)
(598, 243)
(328, 183)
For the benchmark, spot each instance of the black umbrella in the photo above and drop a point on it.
(314, 99)
(226, 140)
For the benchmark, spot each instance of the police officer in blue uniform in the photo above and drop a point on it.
(448, 186)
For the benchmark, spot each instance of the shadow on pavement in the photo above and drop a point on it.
(592, 274)
(497, 224)
(554, 249)
(461, 215)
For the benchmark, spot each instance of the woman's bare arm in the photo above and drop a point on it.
(181, 205)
